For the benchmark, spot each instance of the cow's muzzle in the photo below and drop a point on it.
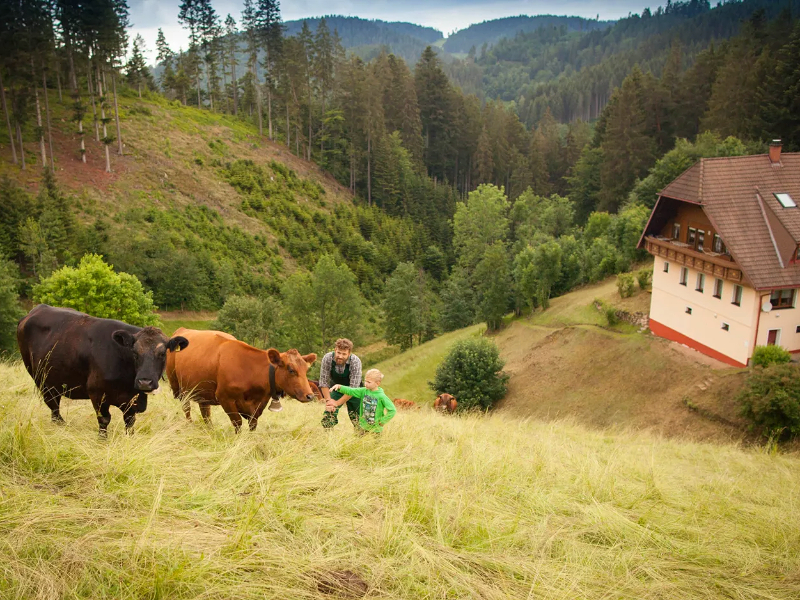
(148, 386)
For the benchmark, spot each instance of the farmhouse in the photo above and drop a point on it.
(725, 236)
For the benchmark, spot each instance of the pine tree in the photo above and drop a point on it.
(137, 71)
(231, 33)
(434, 95)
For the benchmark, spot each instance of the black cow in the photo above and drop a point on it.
(71, 354)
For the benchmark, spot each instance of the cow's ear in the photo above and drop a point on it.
(177, 343)
(275, 357)
(310, 358)
(123, 338)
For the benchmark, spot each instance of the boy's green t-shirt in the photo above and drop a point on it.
(375, 409)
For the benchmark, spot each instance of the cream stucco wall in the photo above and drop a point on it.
(784, 319)
(670, 300)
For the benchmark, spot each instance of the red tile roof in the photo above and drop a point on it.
(731, 191)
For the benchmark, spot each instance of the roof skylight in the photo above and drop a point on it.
(785, 200)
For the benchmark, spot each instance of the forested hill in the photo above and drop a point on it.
(574, 75)
(490, 32)
(367, 37)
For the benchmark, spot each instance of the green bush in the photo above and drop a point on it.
(764, 356)
(626, 285)
(94, 288)
(10, 310)
(255, 321)
(473, 373)
(771, 400)
(608, 310)
(645, 278)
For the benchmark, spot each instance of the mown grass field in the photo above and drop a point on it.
(437, 507)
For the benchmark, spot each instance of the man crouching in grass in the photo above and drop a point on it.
(375, 409)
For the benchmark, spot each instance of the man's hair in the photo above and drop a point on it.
(343, 344)
(374, 373)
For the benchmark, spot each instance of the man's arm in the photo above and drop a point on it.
(325, 377)
(355, 371)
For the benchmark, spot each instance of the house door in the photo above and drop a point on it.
(773, 337)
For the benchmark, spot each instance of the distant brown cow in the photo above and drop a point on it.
(445, 403)
(218, 369)
(405, 404)
(314, 383)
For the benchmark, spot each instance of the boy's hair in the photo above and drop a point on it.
(344, 344)
(374, 373)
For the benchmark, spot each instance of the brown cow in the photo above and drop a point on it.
(404, 404)
(218, 369)
(445, 403)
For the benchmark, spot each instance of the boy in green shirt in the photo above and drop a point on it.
(375, 409)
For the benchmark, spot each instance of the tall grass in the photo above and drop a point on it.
(436, 507)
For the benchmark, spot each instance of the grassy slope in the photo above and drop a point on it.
(168, 163)
(438, 507)
(564, 363)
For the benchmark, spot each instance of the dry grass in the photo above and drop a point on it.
(437, 507)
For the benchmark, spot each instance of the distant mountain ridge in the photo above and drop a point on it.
(490, 32)
(366, 37)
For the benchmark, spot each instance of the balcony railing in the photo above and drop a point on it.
(713, 263)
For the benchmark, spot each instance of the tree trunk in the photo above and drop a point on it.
(369, 168)
(38, 116)
(8, 119)
(288, 129)
(49, 129)
(297, 139)
(139, 86)
(58, 81)
(208, 87)
(94, 106)
(309, 128)
(269, 111)
(21, 147)
(116, 113)
(103, 120)
(235, 86)
(258, 101)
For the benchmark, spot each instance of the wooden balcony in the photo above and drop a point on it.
(718, 265)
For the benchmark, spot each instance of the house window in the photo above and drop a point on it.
(797, 330)
(684, 275)
(737, 295)
(701, 282)
(701, 238)
(691, 238)
(718, 288)
(676, 231)
(666, 267)
(726, 327)
(718, 246)
(688, 310)
(782, 299)
(785, 200)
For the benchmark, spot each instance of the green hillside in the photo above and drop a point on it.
(470, 507)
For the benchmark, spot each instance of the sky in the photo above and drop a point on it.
(445, 15)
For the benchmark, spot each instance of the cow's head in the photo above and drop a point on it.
(445, 403)
(149, 348)
(290, 373)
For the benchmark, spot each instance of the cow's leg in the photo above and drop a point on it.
(53, 401)
(130, 410)
(205, 411)
(186, 404)
(230, 407)
(103, 419)
(257, 413)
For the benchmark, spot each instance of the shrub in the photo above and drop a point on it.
(771, 400)
(473, 373)
(608, 310)
(626, 285)
(645, 278)
(255, 321)
(764, 356)
(94, 288)
(10, 310)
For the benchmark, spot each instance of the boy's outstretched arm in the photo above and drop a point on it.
(389, 411)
